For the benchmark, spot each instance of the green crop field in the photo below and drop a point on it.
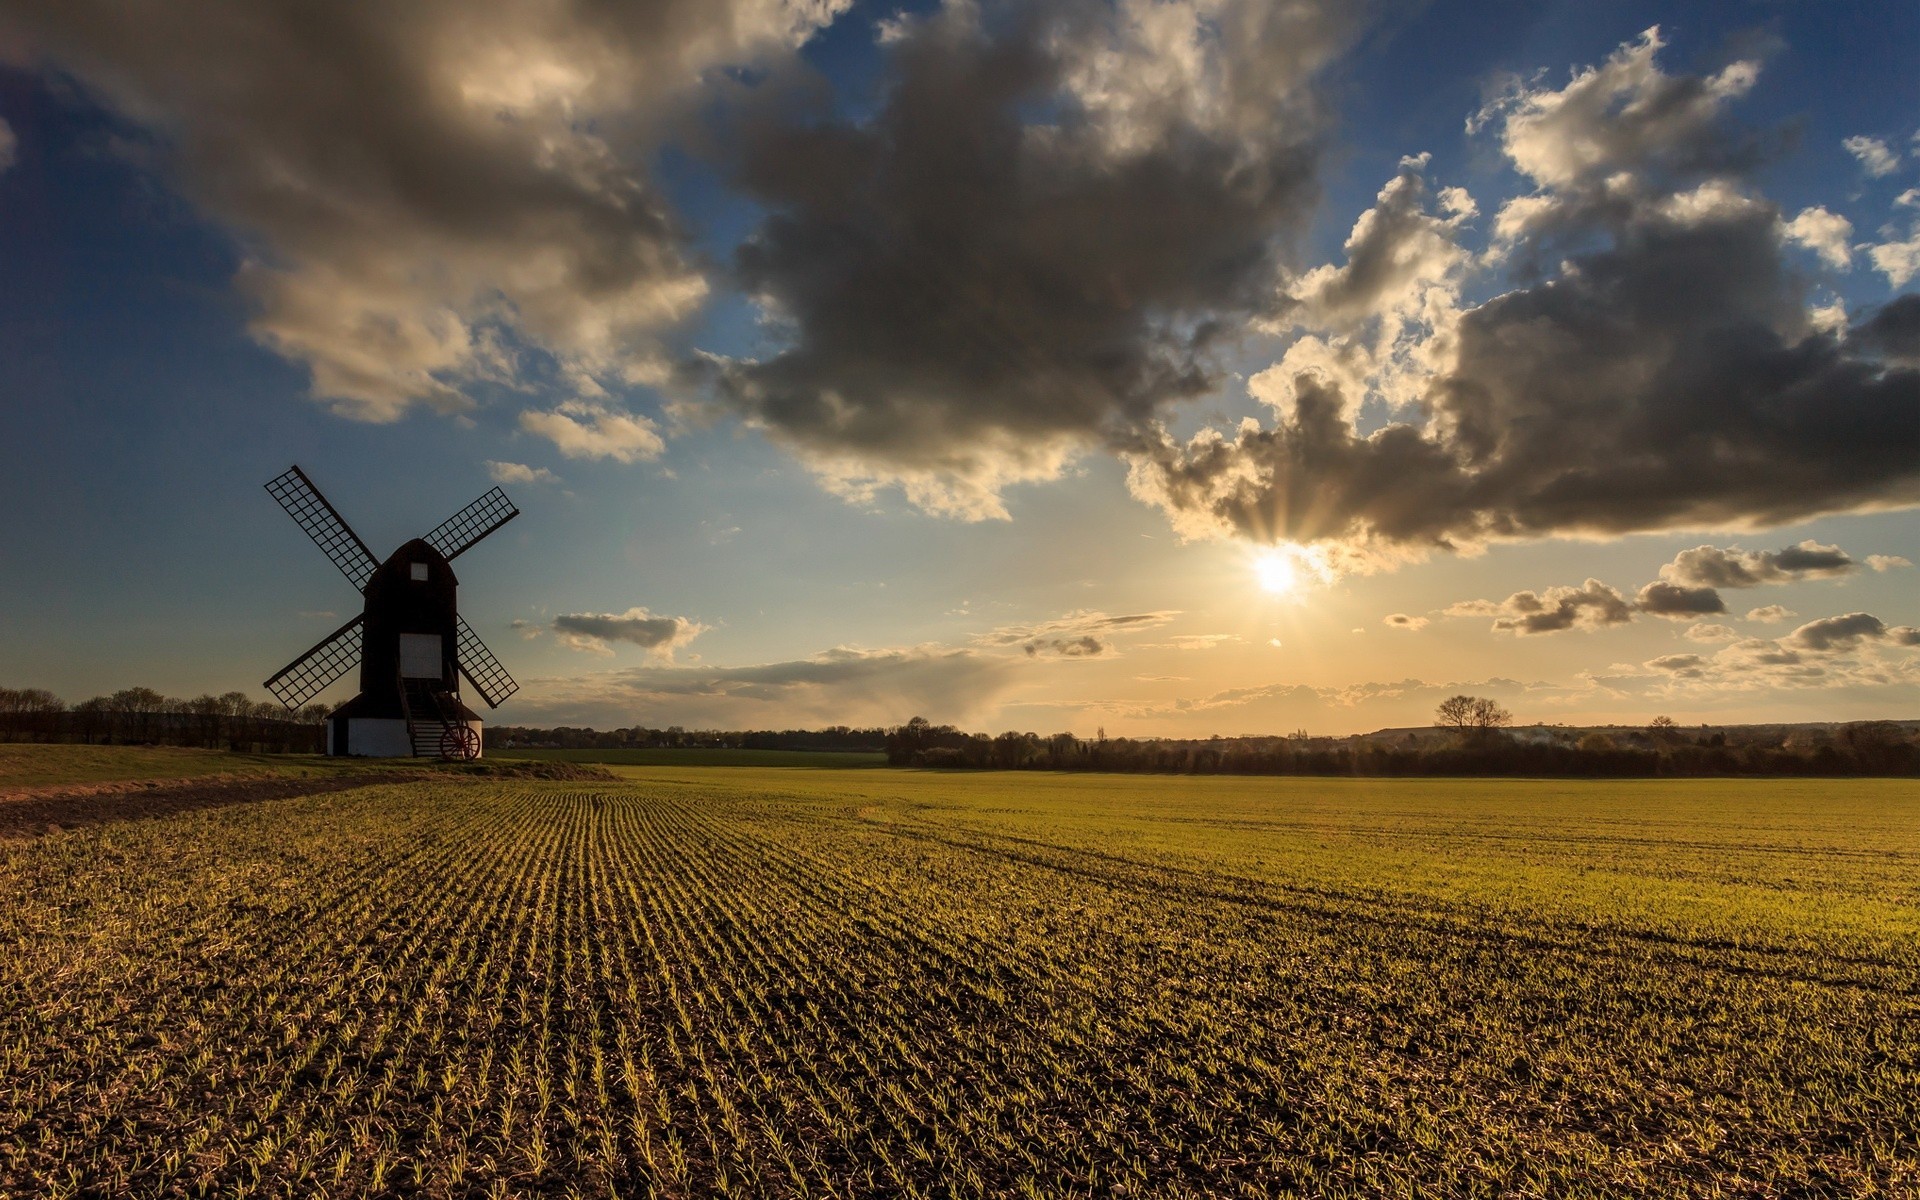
(846, 983)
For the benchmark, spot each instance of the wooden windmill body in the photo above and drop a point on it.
(409, 640)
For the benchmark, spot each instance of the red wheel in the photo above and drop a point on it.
(460, 742)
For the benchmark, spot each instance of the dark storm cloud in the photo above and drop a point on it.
(1056, 213)
(418, 185)
(1664, 371)
(1893, 332)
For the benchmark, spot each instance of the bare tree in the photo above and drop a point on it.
(1488, 715)
(1455, 712)
(1471, 714)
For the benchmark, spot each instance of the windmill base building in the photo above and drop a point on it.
(409, 641)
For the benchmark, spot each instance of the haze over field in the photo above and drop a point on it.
(1170, 367)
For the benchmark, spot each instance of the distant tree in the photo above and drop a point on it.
(1471, 714)
(1455, 712)
(1489, 715)
(1661, 725)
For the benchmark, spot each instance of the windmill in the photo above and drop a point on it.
(409, 639)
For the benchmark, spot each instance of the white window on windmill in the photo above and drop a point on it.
(419, 571)
(420, 656)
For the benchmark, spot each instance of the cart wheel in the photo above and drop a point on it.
(460, 743)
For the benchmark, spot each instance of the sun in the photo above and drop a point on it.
(1276, 571)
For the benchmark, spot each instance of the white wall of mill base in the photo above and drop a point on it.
(381, 737)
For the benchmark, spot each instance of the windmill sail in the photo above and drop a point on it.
(310, 674)
(459, 533)
(482, 669)
(310, 510)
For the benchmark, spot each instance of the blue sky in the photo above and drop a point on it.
(145, 395)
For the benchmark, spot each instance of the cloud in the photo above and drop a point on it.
(1081, 647)
(581, 429)
(510, 472)
(1843, 632)
(1687, 588)
(1651, 363)
(1684, 666)
(1043, 234)
(1678, 603)
(1080, 634)
(843, 686)
(1853, 652)
(1826, 234)
(1593, 605)
(1898, 258)
(1887, 562)
(1770, 614)
(1876, 158)
(421, 190)
(1711, 566)
(1403, 621)
(1197, 641)
(9, 145)
(658, 635)
(1712, 633)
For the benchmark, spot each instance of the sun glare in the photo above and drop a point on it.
(1276, 571)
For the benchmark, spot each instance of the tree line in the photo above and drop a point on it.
(143, 716)
(675, 737)
(1470, 739)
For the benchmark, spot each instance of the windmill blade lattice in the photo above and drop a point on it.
(482, 669)
(321, 522)
(459, 533)
(310, 674)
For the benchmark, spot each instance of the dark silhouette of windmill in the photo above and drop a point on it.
(410, 642)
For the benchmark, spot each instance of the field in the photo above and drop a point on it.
(768, 982)
(705, 758)
(23, 766)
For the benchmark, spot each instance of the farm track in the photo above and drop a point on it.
(527, 989)
(31, 812)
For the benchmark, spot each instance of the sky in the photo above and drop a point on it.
(1176, 367)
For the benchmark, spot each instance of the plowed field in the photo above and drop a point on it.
(768, 983)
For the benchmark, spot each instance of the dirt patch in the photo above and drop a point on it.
(31, 812)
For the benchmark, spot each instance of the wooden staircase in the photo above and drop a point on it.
(430, 711)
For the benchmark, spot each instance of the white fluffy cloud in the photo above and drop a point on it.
(1825, 233)
(512, 472)
(1876, 157)
(586, 429)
